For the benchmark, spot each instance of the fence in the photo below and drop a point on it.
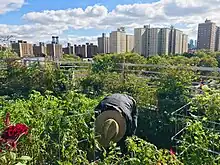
(182, 115)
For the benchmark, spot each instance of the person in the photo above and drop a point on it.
(116, 119)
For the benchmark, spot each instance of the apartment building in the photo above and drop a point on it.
(129, 43)
(103, 44)
(206, 38)
(153, 43)
(91, 49)
(40, 50)
(217, 42)
(22, 48)
(138, 40)
(69, 49)
(81, 51)
(164, 41)
(175, 42)
(118, 41)
(54, 49)
(184, 43)
(159, 41)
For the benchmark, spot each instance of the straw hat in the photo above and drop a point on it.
(111, 126)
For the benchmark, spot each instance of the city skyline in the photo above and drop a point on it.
(84, 21)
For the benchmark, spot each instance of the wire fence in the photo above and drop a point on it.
(181, 116)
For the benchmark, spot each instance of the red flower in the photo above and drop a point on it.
(12, 134)
(21, 128)
(14, 131)
(171, 151)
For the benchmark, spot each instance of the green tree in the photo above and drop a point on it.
(111, 62)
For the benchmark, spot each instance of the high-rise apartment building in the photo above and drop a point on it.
(81, 50)
(158, 41)
(103, 44)
(141, 37)
(54, 50)
(40, 50)
(69, 49)
(206, 35)
(217, 42)
(129, 43)
(138, 40)
(118, 41)
(164, 41)
(161, 41)
(184, 43)
(22, 48)
(153, 42)
(92, 50)
(175, 42)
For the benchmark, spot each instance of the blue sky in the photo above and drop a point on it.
(41, 5)
(74, 21)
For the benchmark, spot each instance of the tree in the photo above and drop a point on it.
(111, 62)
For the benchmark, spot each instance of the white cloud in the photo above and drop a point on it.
(183, 14)
(33, 32)
(75, 18)
(10, 5)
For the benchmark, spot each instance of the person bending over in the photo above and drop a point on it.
(115, 120)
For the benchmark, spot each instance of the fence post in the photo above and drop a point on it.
(123, 71)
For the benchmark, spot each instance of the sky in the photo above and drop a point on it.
(81, 21)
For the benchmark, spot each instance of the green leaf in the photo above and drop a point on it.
(25, 158)
(3, 160)
(12, 156)
(19, 163)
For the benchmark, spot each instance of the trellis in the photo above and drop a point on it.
(181, 116)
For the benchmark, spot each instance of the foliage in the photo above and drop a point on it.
(61, 120)
(46, 115)
(172, 93)
(198, 140)
(112, 82)
(7, 54)
(19, 80)
(143, 153)
(110, 62)
(174, 89)
(207, 105)
(146, 153)
(70, 57)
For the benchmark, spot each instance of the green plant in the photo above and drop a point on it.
(198, 140)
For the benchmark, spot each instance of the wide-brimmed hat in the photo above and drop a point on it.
(111, 126)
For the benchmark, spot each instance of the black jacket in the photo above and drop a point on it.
(124, 103)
